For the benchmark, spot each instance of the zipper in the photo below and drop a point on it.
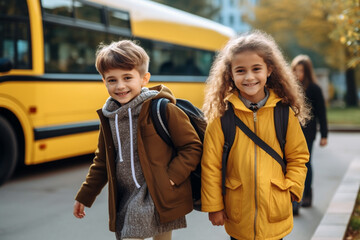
(255, 176)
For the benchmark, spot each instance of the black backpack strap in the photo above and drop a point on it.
(281, 119)
(158, 115)
(196, 116)
(258, 141)
(229, 129)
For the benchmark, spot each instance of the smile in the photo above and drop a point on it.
(250, 84)
(122, 94)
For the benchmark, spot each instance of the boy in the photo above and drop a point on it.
(149, 191)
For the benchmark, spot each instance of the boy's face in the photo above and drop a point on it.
(124, 85)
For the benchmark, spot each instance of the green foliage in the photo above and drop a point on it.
(299, 25)
(345, 15)
(343, 116)
(353, 229)
(203, 8)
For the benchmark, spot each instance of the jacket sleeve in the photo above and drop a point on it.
(186, 142)
(211, 186)
(320, 111)
(96, 178)
(297, 155)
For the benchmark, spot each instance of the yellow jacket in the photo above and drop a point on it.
(257, 200)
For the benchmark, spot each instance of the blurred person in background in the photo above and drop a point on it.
(304, 71)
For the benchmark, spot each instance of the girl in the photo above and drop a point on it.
(250, 72)
(304, 72)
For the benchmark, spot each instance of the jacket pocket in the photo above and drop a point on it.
(171, 196)
(280, 201)
(233, 199)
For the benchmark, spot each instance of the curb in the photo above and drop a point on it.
(344, 128)
(335, 221)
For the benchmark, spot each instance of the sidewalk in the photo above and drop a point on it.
(39, 206)
(334, 223)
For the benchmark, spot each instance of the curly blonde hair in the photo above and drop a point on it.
(220, 84)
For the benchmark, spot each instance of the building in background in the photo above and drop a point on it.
(232, 12)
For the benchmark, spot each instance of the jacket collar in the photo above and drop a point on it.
(238, 104)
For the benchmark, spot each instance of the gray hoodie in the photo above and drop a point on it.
(136, 214)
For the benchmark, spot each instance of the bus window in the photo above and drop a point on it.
(169, 59)
(70, 49)
(14, 8)
(119, 19)
(14, 32)
(88, 12)
(58, 7)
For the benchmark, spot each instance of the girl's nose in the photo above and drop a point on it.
(248, 76)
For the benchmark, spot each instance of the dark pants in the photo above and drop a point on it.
(309, 175)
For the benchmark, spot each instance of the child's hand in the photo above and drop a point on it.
(323, 142)
(79, 210)
(217, 218)
(293, 198)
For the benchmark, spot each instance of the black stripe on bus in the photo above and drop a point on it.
(52, 77)
(67, 77)
(63, 130)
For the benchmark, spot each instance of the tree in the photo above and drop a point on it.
(305, 25)
(345, 15)
(299, 25)
(203, 8)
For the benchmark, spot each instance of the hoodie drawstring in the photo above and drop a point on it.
(131, 145)
(118, 137)
(132, 149)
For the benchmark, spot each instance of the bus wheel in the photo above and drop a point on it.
(8, 150)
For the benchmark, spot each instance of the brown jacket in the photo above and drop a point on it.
(171, 202)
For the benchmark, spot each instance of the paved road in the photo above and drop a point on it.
(37, 203)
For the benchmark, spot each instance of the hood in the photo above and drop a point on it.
(163, 92)
(113, 107)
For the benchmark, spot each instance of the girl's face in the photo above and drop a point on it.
(299, 72)
(250, 72)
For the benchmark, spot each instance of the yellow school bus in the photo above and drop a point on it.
(49, 87)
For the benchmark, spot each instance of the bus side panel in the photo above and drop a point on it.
(47, 105)
(56, 148)
(169, 32)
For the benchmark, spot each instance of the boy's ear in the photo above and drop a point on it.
(146, 79)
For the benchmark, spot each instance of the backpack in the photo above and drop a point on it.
(229, 121)
(197, 119)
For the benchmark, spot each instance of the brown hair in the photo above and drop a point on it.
(123, 54)
(282, 80)
(309, 75)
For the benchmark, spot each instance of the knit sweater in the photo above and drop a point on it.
(136, 215)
